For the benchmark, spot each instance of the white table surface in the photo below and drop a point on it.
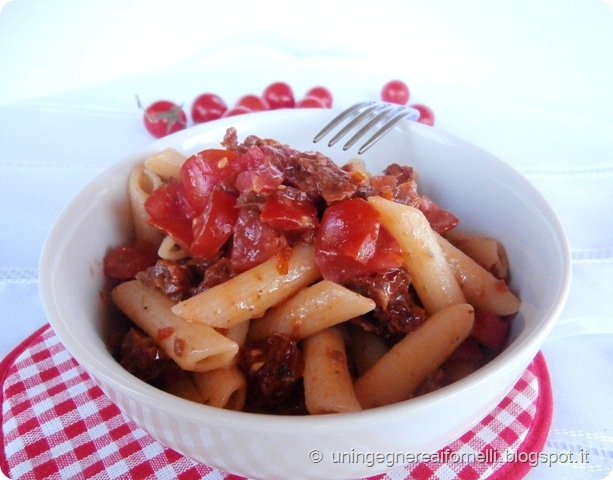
(530, 81)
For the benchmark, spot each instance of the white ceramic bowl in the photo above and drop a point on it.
(486, 194)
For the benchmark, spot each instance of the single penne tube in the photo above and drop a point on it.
(397, 375)
(238, 333)
(365, 348)
(166, 163)
(486, 251)
(481, 289)
(185, 387)
(311, 309)
(249, 294)
(223, 387)
(193, 346)
(328, 386)
(431, 275)
(140, 185)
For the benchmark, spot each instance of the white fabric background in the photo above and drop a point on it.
(530, 81)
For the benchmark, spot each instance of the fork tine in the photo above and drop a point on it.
(376, 119)
(347, 128)
(395, 120)
(339, 118)
(366, 116)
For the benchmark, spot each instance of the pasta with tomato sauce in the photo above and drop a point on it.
(279, 282)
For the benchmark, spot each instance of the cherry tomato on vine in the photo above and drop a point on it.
(322, 93)
(426, 115)
(253, 103)
(279, 95)
(163, 117)
(310, 102)
(239, 110)
(208, 106)
(395, 91)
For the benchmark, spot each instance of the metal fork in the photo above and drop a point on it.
(367, 116)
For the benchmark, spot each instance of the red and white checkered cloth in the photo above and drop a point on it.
(57, 424)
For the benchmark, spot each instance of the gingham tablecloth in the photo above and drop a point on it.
(57, 424)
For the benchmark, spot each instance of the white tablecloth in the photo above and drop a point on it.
(532, 82)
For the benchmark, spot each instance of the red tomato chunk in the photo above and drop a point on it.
(351, 242)
(289, 209)
(171, 212)
(124, 261)
(213, 227)
(203, 172)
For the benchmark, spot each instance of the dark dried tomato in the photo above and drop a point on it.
(274, 367)
(143, 358)
(397, 312)
(171, 277)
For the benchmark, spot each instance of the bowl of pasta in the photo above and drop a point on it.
(260, 305)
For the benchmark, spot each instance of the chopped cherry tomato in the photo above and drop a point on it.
(256, 172)
(351, 242)
(289, 209)
(264, 178)
(490, 330)
(351, 228)
(202, 172)
(215, 225)
(388, 254)
(170, 211)
(395, 91)
(279, 95)
(254, 241)
(239, 110)
(208, 106)
(323, 94)
(125, 261)
(253, 103)
(163, 117)
(251, 159)
(310, 102)
(426, 115)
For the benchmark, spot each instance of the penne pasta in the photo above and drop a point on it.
(166, 163)
(249, 294)
(171, 250)
(185, 387)
(431, 275)
(223, 387)
(238, 333)
(312, 309)
(193, 346)
(481, 289)
(328, 387)
(486, 251)
(140, 185)
(397, 375)
(365, 349)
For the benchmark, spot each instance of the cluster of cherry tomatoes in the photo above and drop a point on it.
(164, 117)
